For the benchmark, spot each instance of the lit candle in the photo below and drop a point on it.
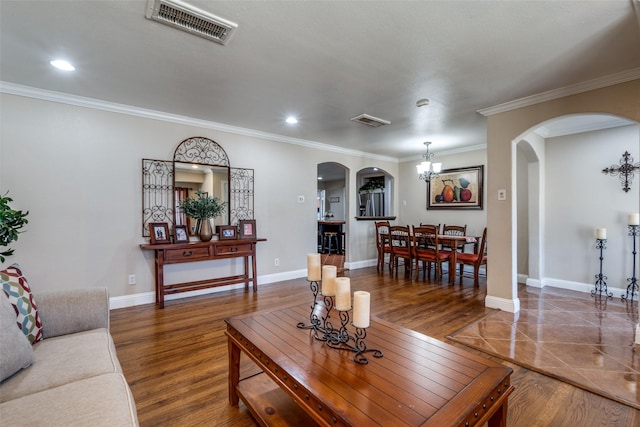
(328, 280)
(343, 293)
(601, 233)
(313, 267)
(361, 309)
(634, 219)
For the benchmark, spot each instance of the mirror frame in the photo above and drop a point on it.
(158, 181)
(201, 151)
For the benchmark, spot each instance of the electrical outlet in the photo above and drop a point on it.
(300, 199)
(132, 279)
(276, 262)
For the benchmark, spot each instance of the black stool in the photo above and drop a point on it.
(330, 238)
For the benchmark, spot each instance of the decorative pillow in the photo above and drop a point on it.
(17, 289)
(15, 351)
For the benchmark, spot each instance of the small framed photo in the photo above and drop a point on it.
(181, 234)
(159, 233)
(247, 228)
(227, 232)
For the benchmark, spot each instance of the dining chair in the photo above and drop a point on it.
(426, 249)
(400, 245)
(455, 230)
(382, 243)
(475, 259)
(432, 225)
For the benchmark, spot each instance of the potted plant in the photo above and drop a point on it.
(11, 222)
(202, 209)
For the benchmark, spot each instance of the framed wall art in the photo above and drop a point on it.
(159, 233)
(459, 188)
(247, 228)
(227, 232)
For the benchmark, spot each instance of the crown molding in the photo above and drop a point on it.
(574, 89)
(96, 104)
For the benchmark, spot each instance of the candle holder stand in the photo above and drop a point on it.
(601, 283)
(632, 288)
(341, 340)
(315, 322)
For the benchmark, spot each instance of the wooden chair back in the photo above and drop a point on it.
(400, 245)
(455, 230)
(382, 242)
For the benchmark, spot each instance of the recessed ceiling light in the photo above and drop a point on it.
(61, 64)
(292, 120)
(319, 178)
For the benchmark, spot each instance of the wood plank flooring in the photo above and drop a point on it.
(175, 359)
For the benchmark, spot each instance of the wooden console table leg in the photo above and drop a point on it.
(499, 418)
(254, 273)
(234, 371)
(160, 278)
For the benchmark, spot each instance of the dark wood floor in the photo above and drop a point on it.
(175, 359)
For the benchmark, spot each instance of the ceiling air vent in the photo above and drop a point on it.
(187, 18)
(368, 120)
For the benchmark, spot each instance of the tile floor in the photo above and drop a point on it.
(585, 340)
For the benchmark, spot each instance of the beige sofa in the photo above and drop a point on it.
(74, 377)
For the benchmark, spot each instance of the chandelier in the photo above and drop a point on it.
(426, 169)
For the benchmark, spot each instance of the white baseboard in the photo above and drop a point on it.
(150, 297)
(522, 278)
(579, 287)
(535, 283)
(508, 305)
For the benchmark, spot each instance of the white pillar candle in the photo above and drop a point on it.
(328, 280)
(313, 267)
(601, 233)
(361, 309)
(634, 219)
(343, 293)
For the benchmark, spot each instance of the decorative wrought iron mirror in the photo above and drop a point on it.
(198, 164)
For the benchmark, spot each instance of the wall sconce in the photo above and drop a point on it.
(426, 169)
(625, 171)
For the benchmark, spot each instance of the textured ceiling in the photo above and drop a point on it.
(326, 62)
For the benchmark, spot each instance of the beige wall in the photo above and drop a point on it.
(505, 128)
(78, 172)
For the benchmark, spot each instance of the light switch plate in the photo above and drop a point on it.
(300, 199)
(502, 194)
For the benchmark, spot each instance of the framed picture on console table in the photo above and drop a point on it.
(181, 235)
(247, 228)
(459, 188)
(227, 232)
(159, 233)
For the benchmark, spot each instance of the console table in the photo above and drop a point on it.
(419, 381)
(178, 253)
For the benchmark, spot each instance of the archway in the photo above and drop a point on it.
(332, 211)
(533, 158)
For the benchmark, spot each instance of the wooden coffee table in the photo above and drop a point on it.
(419, 381)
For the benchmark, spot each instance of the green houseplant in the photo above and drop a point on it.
(11, 222)
(202, 208)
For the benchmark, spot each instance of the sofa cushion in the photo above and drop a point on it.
(15, 349)
(62, 360)
(17, 289)
(104, 400)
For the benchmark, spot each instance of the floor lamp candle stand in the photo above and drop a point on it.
(632, 288)
(601, 284)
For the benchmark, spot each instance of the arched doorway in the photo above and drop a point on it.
(554, 213)
(331, 212)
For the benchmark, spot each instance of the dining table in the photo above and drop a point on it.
(451, 240)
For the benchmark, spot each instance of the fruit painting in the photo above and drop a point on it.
(459, 188)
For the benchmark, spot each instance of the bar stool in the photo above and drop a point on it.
(330, 238)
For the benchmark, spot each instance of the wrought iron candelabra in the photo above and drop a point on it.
(601, 280)
(340, 338)
(632, 288)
